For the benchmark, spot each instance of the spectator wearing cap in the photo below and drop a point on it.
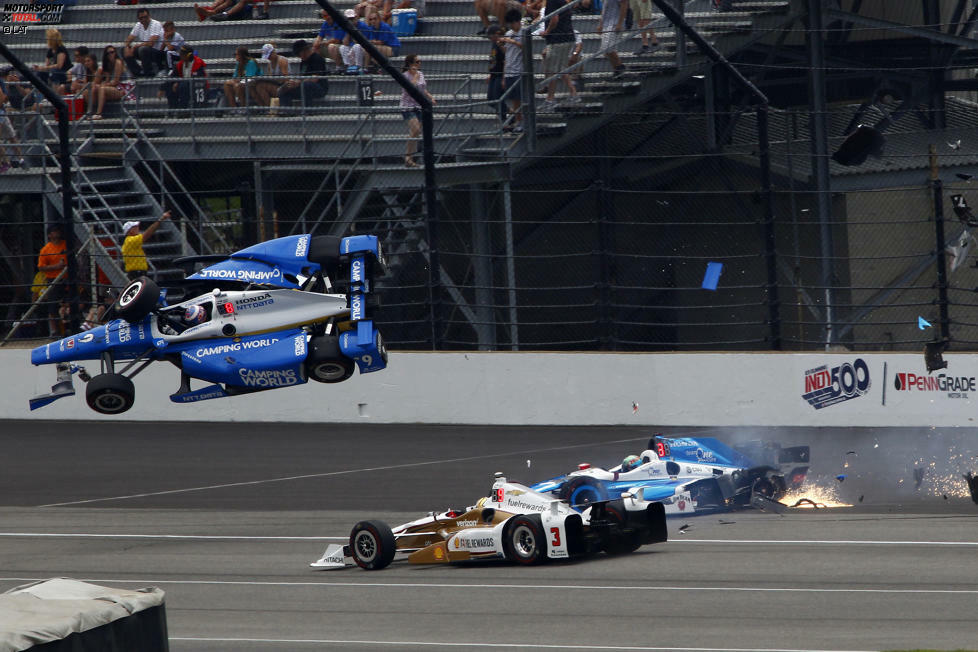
(50, 261)
(178, 93)
(331, 38)
(143, 48)
(133, 257)
(235, 89)
(264, 89)
(367, 7)
(172, 42)
(313, 67)
(351, 51)
(382, 36)
(232, 10)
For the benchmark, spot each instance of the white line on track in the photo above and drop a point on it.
(334, 473)
(511, 587)
(539, 646)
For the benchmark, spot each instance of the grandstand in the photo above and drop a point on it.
(589, 231)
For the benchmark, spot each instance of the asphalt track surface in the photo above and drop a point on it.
(226, 518)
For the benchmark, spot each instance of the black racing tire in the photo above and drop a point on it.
(523, 540)
(621, 539)
(372, 545)
(110, 393)
(770, 486)
(325, 250)
(137, 300)
(582, 491)
(325, 363)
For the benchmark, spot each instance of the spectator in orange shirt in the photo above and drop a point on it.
(51, 260)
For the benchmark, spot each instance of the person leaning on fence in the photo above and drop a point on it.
(497, 59)
(263, 90)
(172, 42)
(51, 260)
(133, 256)
(236, 88)
(109, 84)
(513, 68)
(143, 48)
(179, 89)
(54, 70)
(410, 108)
(313, 67)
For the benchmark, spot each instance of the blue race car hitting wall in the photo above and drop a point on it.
(688, 474)
(270, 320)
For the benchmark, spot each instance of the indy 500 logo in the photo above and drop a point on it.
(825, 387)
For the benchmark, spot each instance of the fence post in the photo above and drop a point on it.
(937, 186)
(529, 94)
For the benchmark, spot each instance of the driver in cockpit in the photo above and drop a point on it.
(174, 324)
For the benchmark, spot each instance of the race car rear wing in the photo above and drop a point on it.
(364, 344)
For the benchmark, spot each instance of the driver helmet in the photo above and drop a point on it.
(195, 315)
(630, 463)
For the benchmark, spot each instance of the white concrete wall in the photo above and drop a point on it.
(543, 388)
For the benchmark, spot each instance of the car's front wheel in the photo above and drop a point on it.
(110, 393)
(137, 300)
(372, 545)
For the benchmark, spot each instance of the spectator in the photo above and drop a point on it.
(133, 257)
(313, 65)
(497, 60)
(382, 36)
(574, 58)
(232, 10)
(534, 9)
(78, 76)
(143, 48)
(559, 35)
(19, 93)
(7, 133)
(236, 89)
(51, 260)
(499, 8)
(367, 7)
(410, 108)
(642, 14)
(331, 37)
(172, 42)
(350, 51)
(178, 93)
(262, 90)
(109, 84)
(54, 72)
(612, 20)
(513, 67)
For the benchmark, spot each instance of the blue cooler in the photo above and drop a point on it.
(404, 22)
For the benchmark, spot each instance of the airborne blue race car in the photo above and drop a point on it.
(270, 319)
(688, 474)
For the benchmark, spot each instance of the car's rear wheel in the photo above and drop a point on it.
(325, 363)
(372, 545)
(523, 540)
(137, 300)
(110, 393)
(582, 491)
